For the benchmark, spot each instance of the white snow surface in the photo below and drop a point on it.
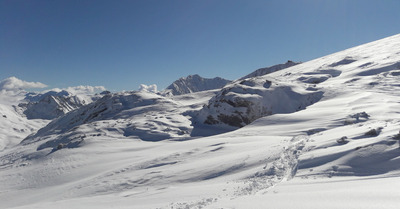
(340, 151)
(14, 126)
(23, 113)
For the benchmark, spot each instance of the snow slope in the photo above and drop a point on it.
(136, 115)
(14, 126)
(341, 151)
(24, 113)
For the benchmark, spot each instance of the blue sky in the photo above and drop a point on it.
(122, 44)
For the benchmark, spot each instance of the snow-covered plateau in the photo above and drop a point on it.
(319, 134)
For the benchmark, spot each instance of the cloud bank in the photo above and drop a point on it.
(148, 88)
(86, 89)
(13, 83)
(82, 89)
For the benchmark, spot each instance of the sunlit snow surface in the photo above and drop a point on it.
(13, 126)
(340, 152)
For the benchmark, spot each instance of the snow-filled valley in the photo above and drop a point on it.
(319, 134)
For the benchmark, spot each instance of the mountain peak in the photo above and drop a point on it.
(195, 83)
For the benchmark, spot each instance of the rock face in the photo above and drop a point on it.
(268, 70)
(244, 101)
(195, 83)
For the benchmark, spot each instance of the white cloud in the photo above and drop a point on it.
(86, 89)
(81, 89)
(148, 88)
(13, 83)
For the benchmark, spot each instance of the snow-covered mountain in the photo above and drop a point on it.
(322, 134)
(195, 83)
(137, 115)
(50, 107)
(53, 104)
(23, 113)
(113, 114)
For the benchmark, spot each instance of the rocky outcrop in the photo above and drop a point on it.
(244, 101)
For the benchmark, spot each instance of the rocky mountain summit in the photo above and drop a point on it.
(195, 83)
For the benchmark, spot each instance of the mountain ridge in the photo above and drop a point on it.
(271, 69)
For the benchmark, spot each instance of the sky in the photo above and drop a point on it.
(123, 44)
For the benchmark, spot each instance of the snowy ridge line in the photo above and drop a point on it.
(271, 69)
